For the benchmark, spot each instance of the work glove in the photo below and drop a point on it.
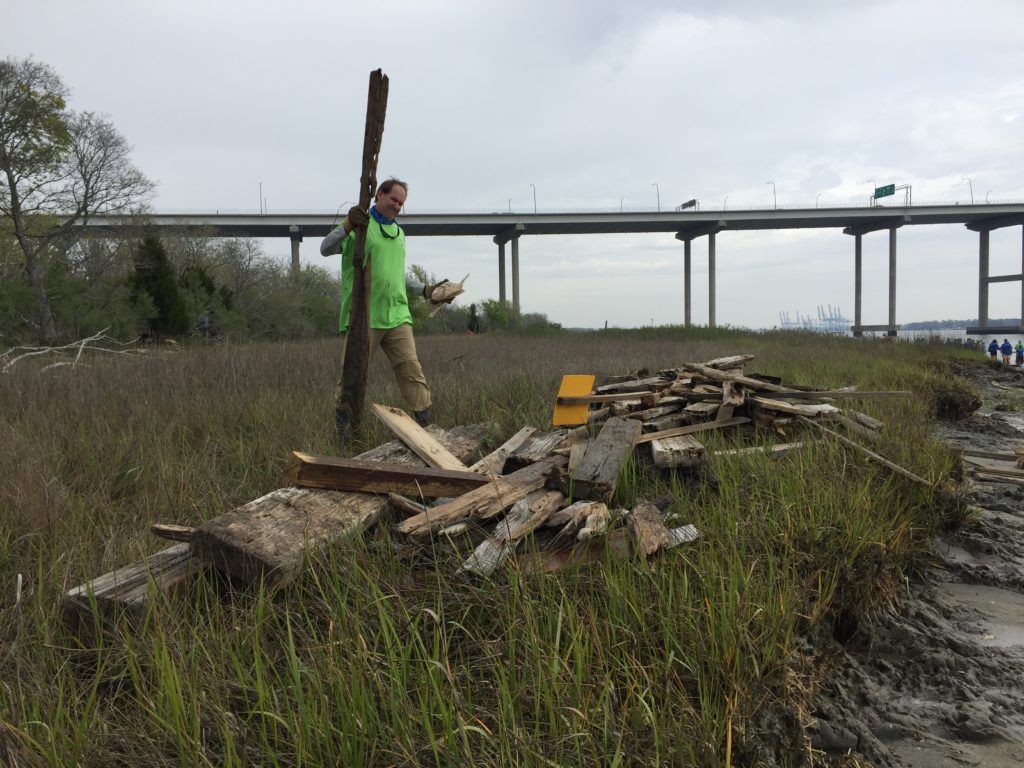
(428, 292)
(357, 219)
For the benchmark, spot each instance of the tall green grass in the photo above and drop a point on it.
(382, 655)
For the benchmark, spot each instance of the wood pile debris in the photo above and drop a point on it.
(553, 487)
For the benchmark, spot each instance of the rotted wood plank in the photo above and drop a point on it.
(126, 590)
(494, 462)
(684, 451)
(538, 447)
(484, 502)
(268, 538)
(525, 517)
(648, 528)
(693, 429)
(598, 472)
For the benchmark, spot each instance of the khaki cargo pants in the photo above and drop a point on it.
(400, 347)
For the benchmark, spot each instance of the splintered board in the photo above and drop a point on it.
(573, 385)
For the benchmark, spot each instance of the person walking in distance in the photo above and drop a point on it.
(993, 350)
(1006, 349)
(389, 317)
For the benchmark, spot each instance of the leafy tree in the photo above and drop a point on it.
(496, 314)
(57, 168)
(155, 278)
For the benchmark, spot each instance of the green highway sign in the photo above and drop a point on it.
(885, 191)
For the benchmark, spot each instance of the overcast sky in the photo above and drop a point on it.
(594, 103)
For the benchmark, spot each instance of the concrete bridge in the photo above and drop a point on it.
(687, 226)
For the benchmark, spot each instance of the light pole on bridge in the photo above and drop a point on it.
(775, 199)
(657, 191)
(534, 186)
(970, 186)
(986, 196)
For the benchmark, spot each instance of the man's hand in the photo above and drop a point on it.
(357, 218)
(428, 293)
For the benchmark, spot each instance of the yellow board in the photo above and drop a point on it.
(573, 385)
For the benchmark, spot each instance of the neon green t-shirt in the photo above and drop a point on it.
(388, 302)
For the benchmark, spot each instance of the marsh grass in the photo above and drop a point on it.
(380, 656)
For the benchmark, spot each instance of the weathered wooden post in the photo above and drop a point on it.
(357, 347)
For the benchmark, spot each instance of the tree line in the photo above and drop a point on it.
(60, 167)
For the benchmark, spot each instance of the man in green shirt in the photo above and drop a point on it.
(389, 316)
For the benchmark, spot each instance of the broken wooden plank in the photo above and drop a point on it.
(692, 429)
(866, 421)
(980, 474)
(537, 448)
(669, 421)
(596, 523)
(405, 506)
(417, 438)
(729, 363)
(577, 450)
(648, 529)
(995, 470)
(684, 451)
(748, 381)
(684, 534)
(797, 409)
(172, 532)
(572, 518)
(484, 502)
(268, 538)
(598, 472)
(494, 462)
(655, 383)
(610, 398)
(867, 452)
(703, 410)
(525, 516)
(997, 455)
(125, 591)
(776, 451)
(339, 474)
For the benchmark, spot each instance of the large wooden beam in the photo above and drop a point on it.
(268, 538)
(338, 474)
(598, 472)
(357, 344)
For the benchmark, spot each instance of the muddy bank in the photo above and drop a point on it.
(940, 680)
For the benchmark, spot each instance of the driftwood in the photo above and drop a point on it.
(268, 538)
(125, 590)
(797, 409)
(485, 502)
(357, 346)
(598, 472)
(339, 474)
(173, 532)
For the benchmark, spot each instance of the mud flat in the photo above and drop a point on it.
(939, 681)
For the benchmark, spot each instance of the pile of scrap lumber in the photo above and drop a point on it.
(555, 487)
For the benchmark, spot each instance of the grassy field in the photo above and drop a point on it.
(708, 655)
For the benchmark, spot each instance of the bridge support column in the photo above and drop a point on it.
(296, 265)
(892, 283)
(501, 274)
(515, 275)
(294, 233)
(983, 237)
(858, 283)
(686, 282)
(711, 280)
